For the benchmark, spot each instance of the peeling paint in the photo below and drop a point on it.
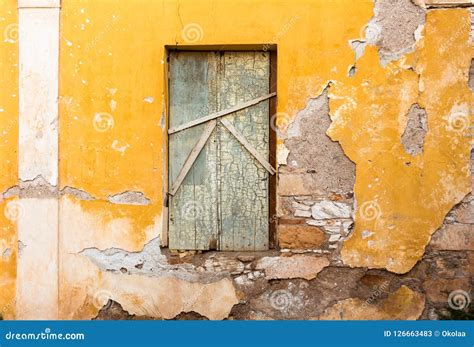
(393, 28)
(129, 198)
(37, 188)
(319, 161)
(6, 253)
(148, 262)
(77, 193)
(413, 137)
(439, 177)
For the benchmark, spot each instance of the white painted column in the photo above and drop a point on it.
(37, 269)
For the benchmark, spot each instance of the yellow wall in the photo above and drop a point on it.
(411, 195)
(113, 52)
(112, 58)
(8, 151)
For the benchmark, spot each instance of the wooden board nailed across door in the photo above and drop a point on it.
(218, 169)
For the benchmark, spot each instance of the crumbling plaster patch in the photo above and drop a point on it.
(129, 198)
(77, 193)
(37, 188)
(365, 120)
(90, 289)
(413, 137)
(41, 189)
(393, 28)
(147, 262)
(318, 161)
(104, 256)
(151, 280)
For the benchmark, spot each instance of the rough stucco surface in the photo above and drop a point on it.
(113, 131)
(8, 260)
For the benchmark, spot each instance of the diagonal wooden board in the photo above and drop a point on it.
(220, 113)
(211, 118)
(202, 142)
(193, 155)
(229, 126)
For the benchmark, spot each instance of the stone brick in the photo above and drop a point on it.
(292, 184)
(445, 3)
(470, 258)
(224, 264)
(298, 206)
(292, 221)
(331, 209)
(333, 226)
(300, 236)
(302, 213)
(373, 280)
(465, 212)
(404, 304)
(454, 237)
(327, 169)
(437, 290)
(297, 266)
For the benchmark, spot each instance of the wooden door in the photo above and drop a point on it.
(222, 203)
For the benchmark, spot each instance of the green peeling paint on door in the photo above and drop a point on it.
(222, 202)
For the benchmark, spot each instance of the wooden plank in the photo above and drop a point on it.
(248, 146)
(193, 156)
(192, 214)
(220, 113)
(243, 182)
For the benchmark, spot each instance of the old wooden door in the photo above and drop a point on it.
(222, 202)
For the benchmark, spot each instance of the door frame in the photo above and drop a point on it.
(273, 102)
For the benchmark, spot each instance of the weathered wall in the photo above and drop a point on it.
(373, 152)
(8, 154)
